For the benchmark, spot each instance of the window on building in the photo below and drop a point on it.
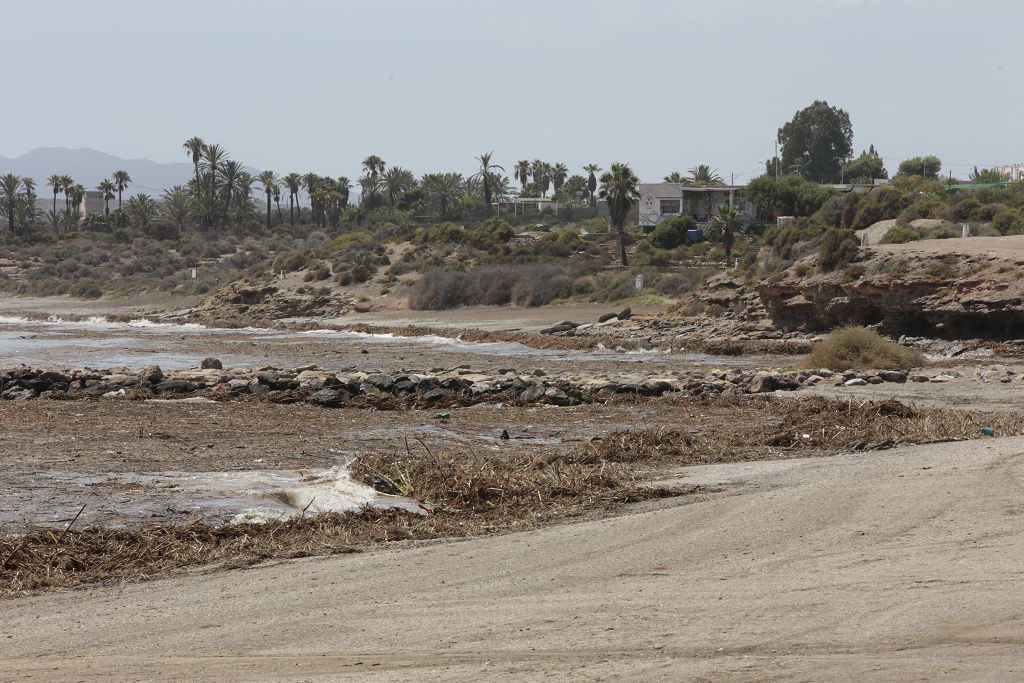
(670, 207)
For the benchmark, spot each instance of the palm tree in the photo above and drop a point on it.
(277, 203)
(559, 172)
(55, 181)
(107, 188)
(121, 180)
(232, 171)
(677, 177)
(213, 157)
(142, 209)
(177, 207)
(30, 188)
(443, 190)
(728, 220)
(66, 183)
(702, 174)
(522, 172)
(373, 164)
(194, 148)
(344, 185)
(10, 186)
(486, 175)
(395, 182)
(293, 181)
(620, 188)
(77, 194)
(269, 181)
(592, 170)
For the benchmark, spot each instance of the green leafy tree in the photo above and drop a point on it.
(928, 167)
(986, 176)
(817, 142)
(344, 188)
(620, 187)
(211, 164)
(121, 181)
(865, 168)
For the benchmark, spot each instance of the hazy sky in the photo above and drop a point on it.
(316, 85)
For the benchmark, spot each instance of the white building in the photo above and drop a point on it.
(661, 201)
(1013, 173)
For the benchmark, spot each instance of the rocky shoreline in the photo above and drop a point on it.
(438, 388)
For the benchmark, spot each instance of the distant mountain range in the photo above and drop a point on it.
(89, 167)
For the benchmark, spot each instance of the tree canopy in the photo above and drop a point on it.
(928, 167)
(865, 168)
(817, 142)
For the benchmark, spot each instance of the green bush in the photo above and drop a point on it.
(672, 233)
(902, 235)
(490, 232)
(1010, 222)
(858, 348)
(838, 248)
(445, 232)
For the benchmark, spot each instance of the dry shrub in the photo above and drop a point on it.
(859, 348)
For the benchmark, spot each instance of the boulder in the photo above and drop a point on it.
(625, 314)
(762, 382)
(855, 382)
(897, 376)
(152, 374)
(606, 317)
(331, 398)
(211, 364)
(532, 393)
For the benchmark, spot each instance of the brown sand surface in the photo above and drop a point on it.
(881, 566)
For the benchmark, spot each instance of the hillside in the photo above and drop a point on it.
(89, 166)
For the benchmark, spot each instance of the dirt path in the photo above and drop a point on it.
(1011, 246)
(893, 565)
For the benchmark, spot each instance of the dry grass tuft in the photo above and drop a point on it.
(858, 348)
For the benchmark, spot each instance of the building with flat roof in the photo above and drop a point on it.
(661, 201)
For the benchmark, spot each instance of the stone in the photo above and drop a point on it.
(152, 374)
(331, 398)
(896, 376)
(381, 381)
(938, 379)
(558, 397)
(606, 317)
(919, 378)
(762, 382)
(211, 364)
(532, 393)
(855, 382)
(554, 329)
(176, 386)
(625, 314)
(875, 379)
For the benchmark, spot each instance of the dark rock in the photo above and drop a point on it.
(174, 386)
(606, 317)
(331, 398)
(559, 397)
(17, 394)
(435, 396)
(381, 381)
(893, 376)
(625, 314)
(504, 435)
(211, 364)
(533, 393)
(554, 329)
(152, 374)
